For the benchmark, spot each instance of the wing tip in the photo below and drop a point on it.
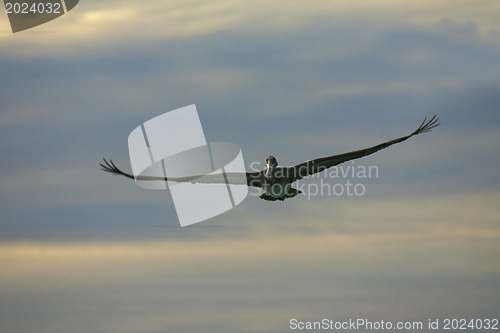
(427, 126)
(109, 166)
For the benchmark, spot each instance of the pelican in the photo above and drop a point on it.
(276, 181)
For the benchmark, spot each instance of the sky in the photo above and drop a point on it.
(84, 251)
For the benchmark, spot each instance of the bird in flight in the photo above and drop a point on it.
(276, 181)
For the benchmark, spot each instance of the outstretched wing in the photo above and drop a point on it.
(311, 167)
(254, 179)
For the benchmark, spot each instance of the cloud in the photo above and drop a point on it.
(373, 260)
(81, 250)
(96, 24)
(62, 117)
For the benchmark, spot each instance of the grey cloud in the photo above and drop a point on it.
(67, 114)
(93, 252)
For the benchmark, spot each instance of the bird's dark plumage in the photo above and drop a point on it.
(278, 176)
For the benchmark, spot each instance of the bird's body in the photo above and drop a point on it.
(276, 181)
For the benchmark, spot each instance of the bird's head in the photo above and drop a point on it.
(271, 163)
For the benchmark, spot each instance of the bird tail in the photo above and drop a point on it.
(292, 192)
(268, 197)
